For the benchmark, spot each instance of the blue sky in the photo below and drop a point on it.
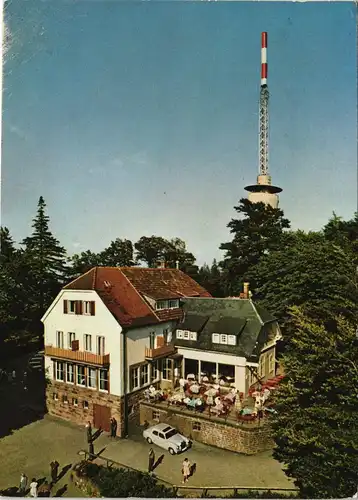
(140, 118)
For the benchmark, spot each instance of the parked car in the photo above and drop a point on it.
(167, 437)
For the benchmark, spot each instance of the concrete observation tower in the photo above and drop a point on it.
(263, 190)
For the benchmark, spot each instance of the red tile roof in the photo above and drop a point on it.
(161, 283)
(121, 290)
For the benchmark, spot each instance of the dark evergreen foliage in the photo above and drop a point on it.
(47, 260)
(121, 483)
(316, 428)
(308, 271)
(258, 232)
(211, 279)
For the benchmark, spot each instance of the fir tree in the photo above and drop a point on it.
(48, 262)
(257, 233)
(316, 428)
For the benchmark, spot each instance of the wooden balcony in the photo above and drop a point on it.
(81, 356)
(159, 352)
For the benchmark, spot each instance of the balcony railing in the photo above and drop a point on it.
(82, 356)
(159, 352)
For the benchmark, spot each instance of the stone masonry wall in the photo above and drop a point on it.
(78, 414)
(248, 441)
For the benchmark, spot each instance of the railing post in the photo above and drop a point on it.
(235, 491)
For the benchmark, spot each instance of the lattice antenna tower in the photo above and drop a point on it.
(264, 111)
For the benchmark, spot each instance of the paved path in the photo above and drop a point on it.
(32, 448)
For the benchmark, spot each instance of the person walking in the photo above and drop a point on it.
(113, 427)
(23, 484)
(186, 470)
(151, 460)
(33, 488)
(89, 432)
(54, 471)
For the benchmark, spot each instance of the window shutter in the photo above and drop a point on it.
(75, 344)
(92, 306)
(65, 307)
(78, 307)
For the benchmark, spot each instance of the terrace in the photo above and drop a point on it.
(212, 402)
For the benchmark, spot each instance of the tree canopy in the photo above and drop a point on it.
(47, 259)
(259, 231)
(316, 428)
(308, 271)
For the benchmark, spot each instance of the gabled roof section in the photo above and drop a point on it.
(161, 283)
(193, 322)
(239, 317)
(121, 290)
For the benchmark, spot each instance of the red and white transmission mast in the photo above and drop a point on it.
(263, 191)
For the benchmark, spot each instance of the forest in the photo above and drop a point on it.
(308, 280)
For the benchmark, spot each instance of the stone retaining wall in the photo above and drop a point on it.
(229, 436)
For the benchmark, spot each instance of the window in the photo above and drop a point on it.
(85, 405)
(81, 375)
(155, 416)
(59, 339)
(65, 399)
(180, 334)
(167, 369)
(216, 338)
(173, 303)
(92, 378)
(223, 339)
(71, 306)
(192, 335)
(100, 346)
(88, 342)
(155, 372)
(55, 396)
(196, 426)
(144, 374)
(161, 304)
(70, 373)
(71, 336)
(74, 401)
(60, 371)
(86, 307)
(134, 378)
(151, 340)
(231, 340)
(186, 334)
(103, 380)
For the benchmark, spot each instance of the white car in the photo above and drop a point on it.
(167, 437)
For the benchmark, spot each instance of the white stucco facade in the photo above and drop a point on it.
(139, 338)
(102, 323)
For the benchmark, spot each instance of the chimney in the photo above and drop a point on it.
(246, 290)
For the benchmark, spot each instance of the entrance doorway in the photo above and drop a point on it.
(101, 417)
